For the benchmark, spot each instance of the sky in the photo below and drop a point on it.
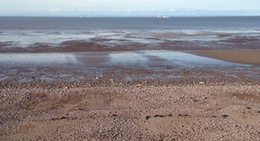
(128, 7)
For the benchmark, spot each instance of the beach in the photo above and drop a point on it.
(130, 102)
(131, 112)
(129, 82)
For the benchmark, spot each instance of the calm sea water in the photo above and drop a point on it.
(200, 23)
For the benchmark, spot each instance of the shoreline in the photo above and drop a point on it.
(130, 67)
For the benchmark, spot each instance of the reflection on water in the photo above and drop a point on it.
(186, 60)
(74, 67)
(127, 58)
(154, 58)
(36, 58)
(149, 59)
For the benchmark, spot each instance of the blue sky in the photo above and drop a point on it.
(129, 7)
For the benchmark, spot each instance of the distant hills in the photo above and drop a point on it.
(134, 13)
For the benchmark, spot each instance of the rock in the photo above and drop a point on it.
(201, 83)
(224, 116)
(158, 116)
(147, 117)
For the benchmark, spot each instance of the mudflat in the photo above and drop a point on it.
(237, 56)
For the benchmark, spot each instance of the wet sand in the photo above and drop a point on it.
(128, 41)
(237, 56)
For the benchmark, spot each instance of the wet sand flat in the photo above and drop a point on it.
(237, 56)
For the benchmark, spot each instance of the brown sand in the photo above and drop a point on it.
(237, 56)
(136, 112)
(222, 107)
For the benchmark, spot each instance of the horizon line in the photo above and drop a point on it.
(124, 16)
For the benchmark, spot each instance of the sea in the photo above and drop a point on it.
(26, 31)
(140, 23)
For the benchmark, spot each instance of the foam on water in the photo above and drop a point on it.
(21, 38)
(27, 38)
